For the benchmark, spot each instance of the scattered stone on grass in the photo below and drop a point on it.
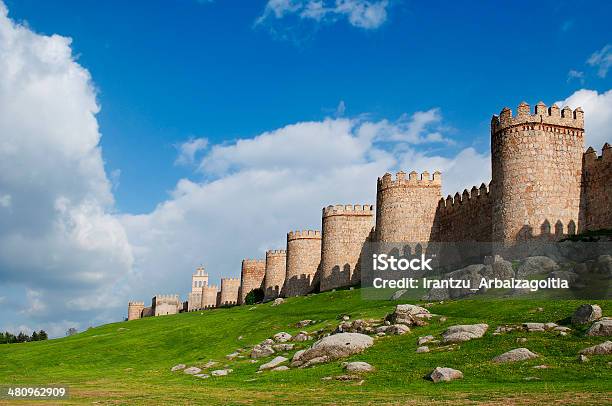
(260, 351)
(409, 315)
(282, 337)
(358, 366)
(192, 370)
(283, 347)
(273, 363)
(221, 372)
(604, 348)
(442, 374)
(422, 349)
(586, 313)
(425, 339)
(301, 336)
(601, 328)
(281, 368)
(303, 323)
(518, 354)
(178, 367)
(333, 347)
(466, 332)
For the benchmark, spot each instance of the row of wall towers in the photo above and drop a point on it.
(543, 185)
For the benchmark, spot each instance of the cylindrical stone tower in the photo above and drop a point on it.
(536, 162)
(209, 297)
(229, 291)
(303, 261)
(406, 208)
(135, 310)
(276, 267)
(252, 277)
(345, 231)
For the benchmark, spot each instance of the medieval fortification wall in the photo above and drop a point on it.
(252, 277)
(596, 199)
(466, 217)
(209, 297)
(229, 292)
(536, 169)
(406, 208)
(135, 310)
(543, 186)
(346, 228)
(166, 304)
(276, 268)
(303, 260)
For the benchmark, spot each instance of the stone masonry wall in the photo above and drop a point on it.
(303, 260)
(406, 208)
(536, 160)
(209, 297)
(345, 231)
(229, 292)
(276, 268)
(194, 301)
(166, 304)
(252, 277)
(135, 310)
(597, 190)
(466, 217)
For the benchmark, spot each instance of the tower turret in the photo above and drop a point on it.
(303, 260)
(536, 171)
(276, 268)
(135, 310)
(406, 208)
(345, 231)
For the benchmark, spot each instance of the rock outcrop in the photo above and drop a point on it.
(586, 313)
(333, 347)
(465, 332)
(442, 374)
(518, 354)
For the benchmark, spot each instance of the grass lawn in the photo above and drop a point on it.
(129, 362)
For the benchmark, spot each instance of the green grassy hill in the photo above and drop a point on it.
(129, 362)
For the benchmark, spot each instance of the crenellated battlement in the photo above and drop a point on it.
(166, 297)
(253, 261)
(550, 119)
(276, 252)
(304, 234)
(414, 180)
(229, 281)
(591, 158)
(136, 304)
(349, 210)
(476, 193)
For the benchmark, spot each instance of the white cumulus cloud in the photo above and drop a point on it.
(597, 115)
(57, 230)
(365, 14)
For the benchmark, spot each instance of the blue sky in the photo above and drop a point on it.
(141, 139)
(167, 71)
